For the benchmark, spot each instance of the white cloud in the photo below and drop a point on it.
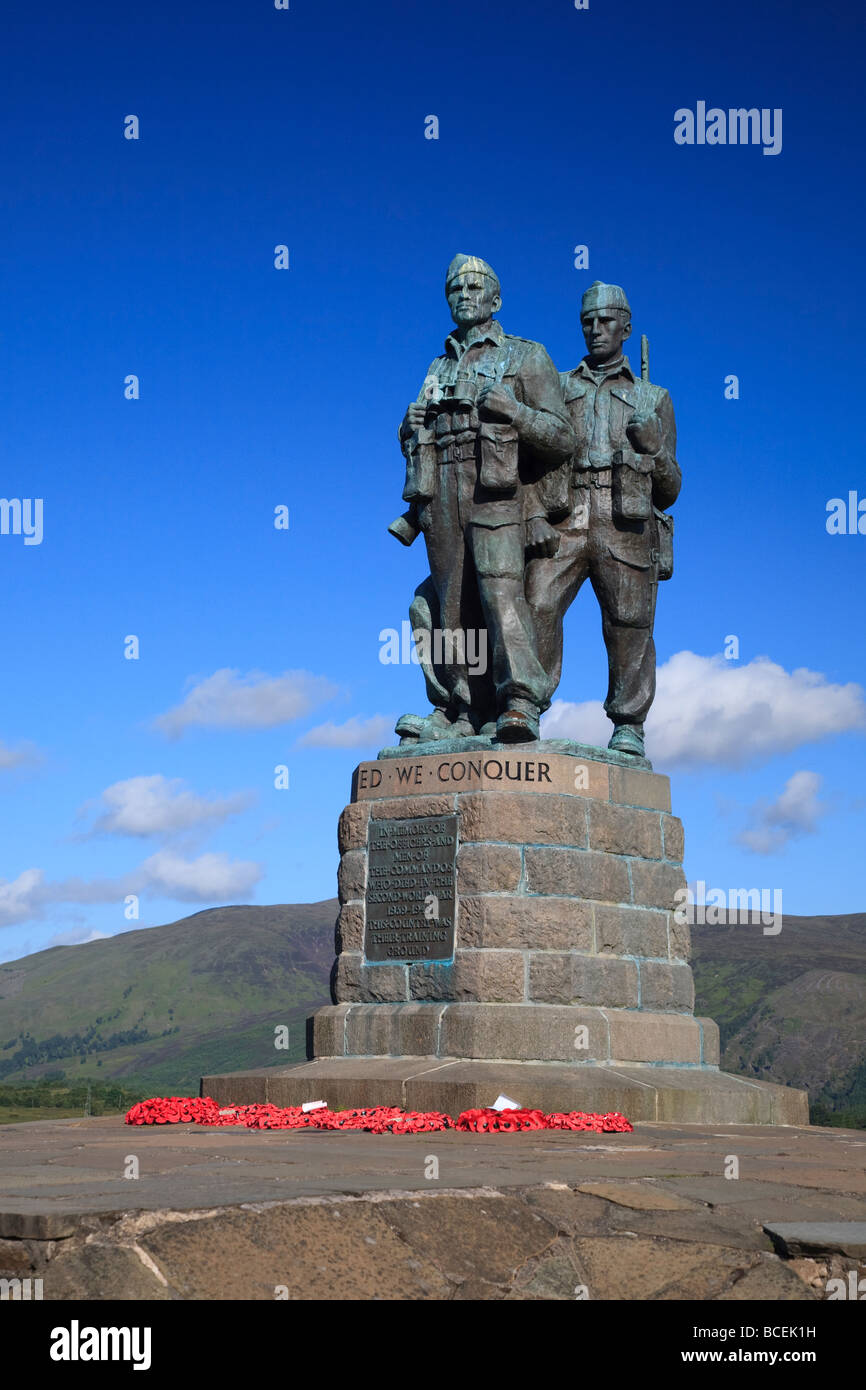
(355, 733)
(229, 700)
(21, 898)
(209, 878)
(21, 755)
(157, 805)
(712, 711)
(796, 811)
(585, 722)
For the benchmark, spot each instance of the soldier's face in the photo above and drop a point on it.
(604, 332)
(472, 299)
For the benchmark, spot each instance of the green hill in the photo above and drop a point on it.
(162, 1005)
(791, 1008)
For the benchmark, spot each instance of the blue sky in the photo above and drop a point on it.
(261, 387)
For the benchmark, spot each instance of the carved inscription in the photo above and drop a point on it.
(410, 889)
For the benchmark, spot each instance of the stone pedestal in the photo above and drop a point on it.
(508, 922)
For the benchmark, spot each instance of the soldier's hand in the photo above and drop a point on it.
(415, 415)
(497, 403)
(644, 434)
(541, 539)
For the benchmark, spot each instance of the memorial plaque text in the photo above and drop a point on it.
(410, 889)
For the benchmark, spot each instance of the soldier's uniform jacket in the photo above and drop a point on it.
(600, 404)
(521, 468)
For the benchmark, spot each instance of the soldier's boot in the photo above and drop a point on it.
(418, 728)
(413, 728)
(627, 738)
(518, 723)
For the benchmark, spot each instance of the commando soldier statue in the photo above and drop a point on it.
(617, 533)
(487, 445)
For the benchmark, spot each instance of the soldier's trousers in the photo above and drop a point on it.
(619, 559)
(476, 586)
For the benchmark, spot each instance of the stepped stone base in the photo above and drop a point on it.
(682, 1095)
(510, 922)
(518, 1032)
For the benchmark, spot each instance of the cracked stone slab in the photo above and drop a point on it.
(819, 1237)
(640, 1196)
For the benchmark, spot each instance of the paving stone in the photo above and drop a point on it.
(102, 1271)
(553, 1275)
(570, 1210)
(819, 1237)
(770, 1281)
(505, 1233)
(16, 1260)
(640, 1196)
(638, 1267)
(692, 1223)
(348, 1248)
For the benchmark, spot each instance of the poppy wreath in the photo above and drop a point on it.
(379, 1119)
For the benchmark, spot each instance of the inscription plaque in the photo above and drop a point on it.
(410, 889)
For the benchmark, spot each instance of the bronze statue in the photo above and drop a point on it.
(525, 483)
(625, 476)
(487, 444)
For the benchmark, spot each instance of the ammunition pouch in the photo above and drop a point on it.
(499, 451)
(665, 525)
(420, 466)
(631, 486)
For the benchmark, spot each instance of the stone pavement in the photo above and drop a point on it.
(240, 1214)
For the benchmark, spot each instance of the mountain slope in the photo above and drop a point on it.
(164, 1004)
(791, 1008)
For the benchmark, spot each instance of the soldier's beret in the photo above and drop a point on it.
(462, 263)
(602, 296)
